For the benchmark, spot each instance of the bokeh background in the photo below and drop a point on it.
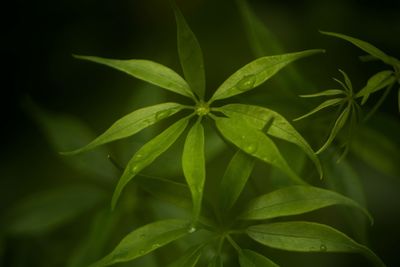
(42, 77)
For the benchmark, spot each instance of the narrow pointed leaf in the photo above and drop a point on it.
(193, 164)
(249, 258)
(255, 143)
(347, 80)
(279, 127)
(148, 153)
(144, 240)
(325, 104)
(257, 72)
(367, 47)
(45, 211)
(339, 123)
(131, 124)
(235, 178)
(147, 71)
(377, 82)
(308, 237)
(190, 55)
(295, 200)
(189, 258)
(329, 92)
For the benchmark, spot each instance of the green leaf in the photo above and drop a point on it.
(329, 92)
(64, 132)
(325, 104)
(45, 211)
(147, 71)
(190, 55)
(307, 237)
(189, 258)
(256, 72)
(249, 258)
(279, 127)
(235, 178)
(166, 190)
(367, 47)
(295, 200)
(132, 124)
(144, 240)
(347, 81)
(193, 164)
(255, 143)
(377, 82)
(148, 153)
(216, 262)
(339, 123)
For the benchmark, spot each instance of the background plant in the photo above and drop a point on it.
(107, 112)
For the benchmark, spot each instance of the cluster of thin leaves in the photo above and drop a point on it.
(251, 130)
(346, 98)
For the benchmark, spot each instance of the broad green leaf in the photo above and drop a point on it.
(147, 71)
(329, 92)
(193, 164)
(45, 211)
(144, 240)
(235, 178)
(190, 55)
(308, 237)
(65, 132)
(249, 258)
(189, 258)
(216, 262)
(166, 190)
(377, 82)
(339, 123)
(255, 143)
(148, 153)
(325, 104)
(295, 200)
(256, 72)
(91, 247)
(279, 127)
(132, 124)
(367, 47)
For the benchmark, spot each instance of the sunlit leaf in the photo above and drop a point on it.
(367, 47)
(189, 258)
(235, 178)
(295, 200)
(144, 240)
(66, 132)
(279, 127)
(307, 237)
(190, 55)
(325, 104)
(147, 71)
(249, 258)
(256, 72)
(193, 164)
(255, 143)
(132, 124)
(377, 82)
(339, 123)
(329, 92)
(45, 211)
(148, 153)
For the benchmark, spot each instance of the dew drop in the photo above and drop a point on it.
(135, 168)
(322, 248)
(142, 252)
(246, 83)
(192, 229)
(155, 246)
(162, 114)
(251, 148)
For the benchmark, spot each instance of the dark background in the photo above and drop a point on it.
(41, 36)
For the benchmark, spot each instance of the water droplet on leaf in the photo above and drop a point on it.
(163, 114)
(192, 229)
(251, 148)
(155, 246)
(322, 248)
(246, 83)
(142, 252)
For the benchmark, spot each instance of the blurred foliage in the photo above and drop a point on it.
(79, 228)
